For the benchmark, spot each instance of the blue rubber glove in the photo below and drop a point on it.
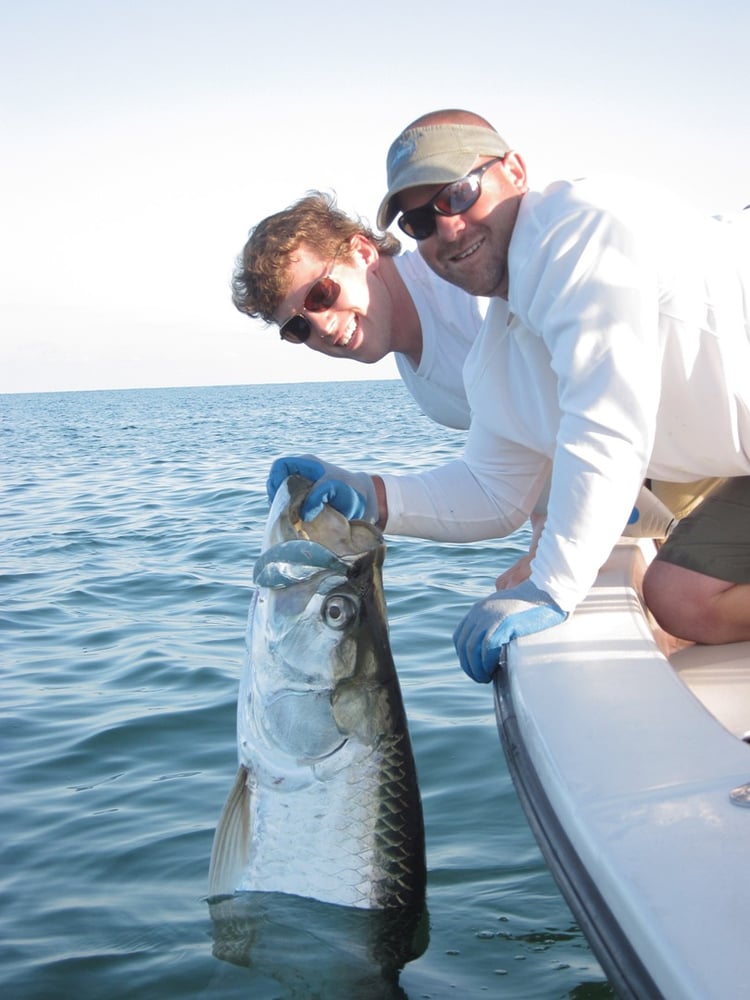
(495, 620)
(351, 493)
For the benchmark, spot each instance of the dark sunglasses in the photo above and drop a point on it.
(454, 198)
(321, 296)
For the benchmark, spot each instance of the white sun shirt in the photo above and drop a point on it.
(450, 321)
(625, 355)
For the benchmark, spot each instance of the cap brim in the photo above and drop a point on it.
(423, 174)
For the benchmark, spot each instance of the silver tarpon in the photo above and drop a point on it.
(325, 804)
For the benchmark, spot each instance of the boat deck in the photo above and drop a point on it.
(719, 676)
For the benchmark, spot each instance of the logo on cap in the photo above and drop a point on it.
(403, 149)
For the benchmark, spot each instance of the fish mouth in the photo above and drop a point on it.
(292, 561)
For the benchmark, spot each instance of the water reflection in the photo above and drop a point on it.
(318, 949)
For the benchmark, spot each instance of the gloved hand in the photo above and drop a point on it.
(351, 493)
(495, 620)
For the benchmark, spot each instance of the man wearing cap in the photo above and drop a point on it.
(616, 348)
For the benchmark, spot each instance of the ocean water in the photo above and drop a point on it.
(130, 524)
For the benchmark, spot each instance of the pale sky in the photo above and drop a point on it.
(140, 140)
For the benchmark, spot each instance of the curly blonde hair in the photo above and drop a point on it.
(261, 276)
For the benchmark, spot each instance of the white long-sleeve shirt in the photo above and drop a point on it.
(625, 355)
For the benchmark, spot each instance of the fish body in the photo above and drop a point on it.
(326, 803)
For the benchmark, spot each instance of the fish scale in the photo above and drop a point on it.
(315, 842)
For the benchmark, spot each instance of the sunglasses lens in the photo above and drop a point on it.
(459, 196)
(296, 330)
(322, 295)
(419, 223)
(453, 199)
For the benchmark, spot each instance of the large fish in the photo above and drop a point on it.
(325, 804)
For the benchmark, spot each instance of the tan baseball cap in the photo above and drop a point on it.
(434, 154)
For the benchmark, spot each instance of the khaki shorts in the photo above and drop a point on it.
(681, 498)
(714, 538)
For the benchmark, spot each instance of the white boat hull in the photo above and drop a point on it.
(626, 762)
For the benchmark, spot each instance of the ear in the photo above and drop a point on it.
(363, 249)
(515, 169)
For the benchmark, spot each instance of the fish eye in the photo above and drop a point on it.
(339, 610)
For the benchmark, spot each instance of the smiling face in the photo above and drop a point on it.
(359, 325)
(471, 249)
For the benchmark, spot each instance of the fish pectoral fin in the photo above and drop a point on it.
(230, 851)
